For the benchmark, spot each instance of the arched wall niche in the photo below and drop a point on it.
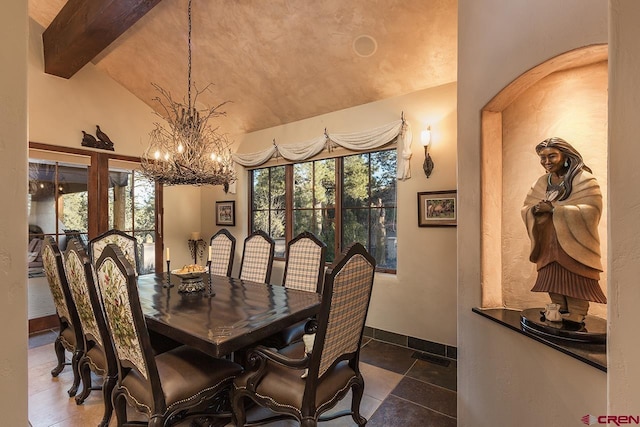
(565, 96)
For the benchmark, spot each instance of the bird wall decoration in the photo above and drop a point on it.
(103, 141)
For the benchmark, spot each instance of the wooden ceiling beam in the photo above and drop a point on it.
(84, 28)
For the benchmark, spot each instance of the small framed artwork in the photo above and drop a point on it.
(437, 209)
(226, 213)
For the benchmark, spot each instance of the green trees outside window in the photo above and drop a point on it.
(341, 200)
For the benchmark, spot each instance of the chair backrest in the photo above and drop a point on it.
(305, 263)
(345, 302)
(124, 317)
(127, 244)
(257, 257)
(82, 282)
(223, 249)
(53, 265)
(74, 260)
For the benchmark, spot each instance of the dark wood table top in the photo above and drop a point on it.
(240, 313)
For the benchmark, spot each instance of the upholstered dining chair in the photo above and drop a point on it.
(127, 244)
(166, 387)
(304, 263)
(223, 249)
(305, 386)
(98, 355)
(69, 334)
(257, 257)
(304, 268)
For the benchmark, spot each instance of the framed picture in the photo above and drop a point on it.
(437, 209)
(226, 213)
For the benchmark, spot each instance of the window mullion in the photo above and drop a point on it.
(339, 173)
(288, 191)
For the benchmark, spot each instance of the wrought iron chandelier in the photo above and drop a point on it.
(189, 151)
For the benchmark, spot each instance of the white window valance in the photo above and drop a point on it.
(355, 141)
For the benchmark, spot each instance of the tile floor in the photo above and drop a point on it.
(402, 388)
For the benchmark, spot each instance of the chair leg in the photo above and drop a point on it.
(308, 422)
(238, 416)
(357, 391)
(59, 349)
(120, 406)
(107, 391)
(85, 375)
(76, 375)
(156, 421)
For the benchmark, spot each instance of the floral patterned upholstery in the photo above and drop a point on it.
(127, 244)
(70, 333)
(80, 293)
(165, 387)
(99, 356)
(117, 308)
(53, 278)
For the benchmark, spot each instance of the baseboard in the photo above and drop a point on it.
(40, 324)
(431, 347)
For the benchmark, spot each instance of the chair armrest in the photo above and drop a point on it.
(258, 357)
(259, 353)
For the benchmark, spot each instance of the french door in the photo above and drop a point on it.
(78, 193)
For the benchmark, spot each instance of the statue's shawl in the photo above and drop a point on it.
(575, 219)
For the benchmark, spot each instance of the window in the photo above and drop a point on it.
(369, 209)
(314, 200)
(268, 207)
(341, 200)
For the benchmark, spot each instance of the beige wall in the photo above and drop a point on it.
(571, 104)
(624, 199)
(419, 300)
(503, 377)
(60, 109)
(13, 221)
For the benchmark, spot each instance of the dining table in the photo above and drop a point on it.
(229, 315)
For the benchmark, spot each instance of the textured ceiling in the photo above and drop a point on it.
(280, 61)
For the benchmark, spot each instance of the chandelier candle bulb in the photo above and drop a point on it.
(168, 257)
(209, 257)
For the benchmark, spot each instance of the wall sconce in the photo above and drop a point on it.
(425, 139)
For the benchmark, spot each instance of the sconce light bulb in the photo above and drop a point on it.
(425, 137)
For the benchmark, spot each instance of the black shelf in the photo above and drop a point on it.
(591, 354)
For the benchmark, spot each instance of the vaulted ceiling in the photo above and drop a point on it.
(277, 61)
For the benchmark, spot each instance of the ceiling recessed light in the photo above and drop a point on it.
(365, 45)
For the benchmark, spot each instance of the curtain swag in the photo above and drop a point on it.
(355, 141)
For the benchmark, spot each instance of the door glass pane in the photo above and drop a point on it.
(57, 206)
(132, 200)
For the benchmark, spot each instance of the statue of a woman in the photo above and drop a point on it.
(561, 212)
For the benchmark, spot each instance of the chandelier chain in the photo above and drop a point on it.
(189, 60)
